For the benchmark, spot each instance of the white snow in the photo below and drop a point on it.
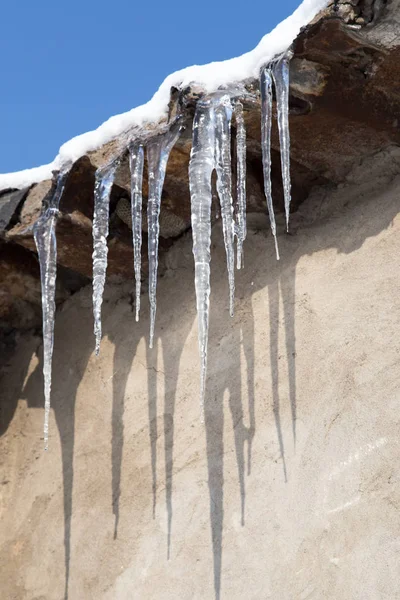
(210, 76)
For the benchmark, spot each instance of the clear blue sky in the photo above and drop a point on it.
(68, 66)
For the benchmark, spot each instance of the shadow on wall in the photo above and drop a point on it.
(346, 232)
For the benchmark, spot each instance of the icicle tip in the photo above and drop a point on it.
(276, 248)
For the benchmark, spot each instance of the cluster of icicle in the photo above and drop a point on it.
(211, 150)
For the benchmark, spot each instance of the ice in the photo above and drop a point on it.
(280, 74)
(102, 190)
(266, 126)
(158, 151)
(136, 160)
(210, 77)
(240, 181)
(44, 232)
(211, 149)
(223, 116)
(201, 166)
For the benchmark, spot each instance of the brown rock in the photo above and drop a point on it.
(344, 107)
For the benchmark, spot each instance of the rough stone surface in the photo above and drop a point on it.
(20, 288)
(171, 224)
(9, 204)
(290, 490)
(20, 293)
(31, 208)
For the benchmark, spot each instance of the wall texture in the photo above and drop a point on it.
(290, 490)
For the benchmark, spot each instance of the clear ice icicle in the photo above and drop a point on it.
(136, 160)
(223, 116)
(158, 151)
(241, 229)
(266, 126)
(102, 191)
(211, 149)
(201, 166)
(44, 232)
(280, 74)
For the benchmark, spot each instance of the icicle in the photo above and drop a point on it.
(44, 232)
(266, 126)
(202, 161)
(241, 182)
(102, 192)
(223, 116)
(211, 149)
(280, 74)
(158, 151)
(136, 159)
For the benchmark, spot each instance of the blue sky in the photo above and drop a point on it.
(67, 67)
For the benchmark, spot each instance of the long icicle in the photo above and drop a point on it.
(241, 230)
(44, 232)
(223, 116)
(102, 191)
(158, 151)
(202, 161)
(280, 74)
(266, 126)
(136, 160)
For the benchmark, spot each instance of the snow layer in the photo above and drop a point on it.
(210, 76)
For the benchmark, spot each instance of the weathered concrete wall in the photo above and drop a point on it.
(291, 488)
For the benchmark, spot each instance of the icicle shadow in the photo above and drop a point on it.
(285, 284)
(78, 341)
(171, 371)
(288, 291)
(243, 435)
(172, 348)
(273, 299)
(124, 354)
(227, 382)
(158, 151)
(214, 426)
(66, 427)
(46, 243)
(151, 361)
(45, 239)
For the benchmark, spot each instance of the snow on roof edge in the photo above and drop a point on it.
(210, 76)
